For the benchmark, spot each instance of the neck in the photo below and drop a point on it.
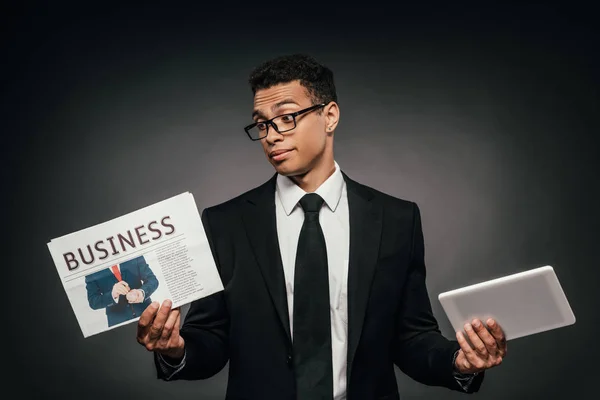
(313, 178)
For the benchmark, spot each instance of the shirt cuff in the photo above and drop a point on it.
(464, 380)
(168, 369)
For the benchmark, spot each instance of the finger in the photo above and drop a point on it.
(176, 340)
(461, 361)
(477, 343)
(471, 356)
(145, 320)
(177, 325)
(488, 340)
(135, 295)
(122, 287)
(168, 328)
(159, 321)
(468, 352)
(498, 335)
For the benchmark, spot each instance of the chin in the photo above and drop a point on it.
(286, 168)
(282, 170)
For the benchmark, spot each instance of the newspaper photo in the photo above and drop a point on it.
(112, 271)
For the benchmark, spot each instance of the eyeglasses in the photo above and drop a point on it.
(281, 123)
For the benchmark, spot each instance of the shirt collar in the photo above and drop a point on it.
(331, 191)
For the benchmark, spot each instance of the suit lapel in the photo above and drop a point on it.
(261, 228)
(365, 235)
(124, 273)
(107, 278)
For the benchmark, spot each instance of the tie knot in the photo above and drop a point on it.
(311, 202)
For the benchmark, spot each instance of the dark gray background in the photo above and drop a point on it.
(486, 117)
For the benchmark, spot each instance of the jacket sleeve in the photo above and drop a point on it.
(205, 331)
(97, 299)
(420, 350)
(149, 281)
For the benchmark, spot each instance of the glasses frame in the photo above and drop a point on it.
(274, 125)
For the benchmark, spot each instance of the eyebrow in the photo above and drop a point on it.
(257, 113)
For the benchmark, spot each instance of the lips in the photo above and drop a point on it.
(278, 152)
(280, 155)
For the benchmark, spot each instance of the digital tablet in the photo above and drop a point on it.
(523, 304)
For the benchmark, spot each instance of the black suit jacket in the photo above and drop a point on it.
(390, 321)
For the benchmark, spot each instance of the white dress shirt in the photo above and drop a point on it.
(335, 222)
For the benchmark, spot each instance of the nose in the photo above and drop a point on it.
(272, 135)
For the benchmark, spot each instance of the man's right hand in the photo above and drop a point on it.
(158, 330)
(120, 288)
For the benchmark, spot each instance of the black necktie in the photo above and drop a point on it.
(312, 325)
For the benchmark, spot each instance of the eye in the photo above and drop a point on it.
(261, 126)
(287, 118)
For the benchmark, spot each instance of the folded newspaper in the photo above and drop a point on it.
(112, 271)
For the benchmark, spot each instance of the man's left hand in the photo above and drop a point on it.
(135, 296)
(488, 350)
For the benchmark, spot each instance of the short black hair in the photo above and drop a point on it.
(315, 77)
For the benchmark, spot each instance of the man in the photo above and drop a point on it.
(123, 290)
(324, 277)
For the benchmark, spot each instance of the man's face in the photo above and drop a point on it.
(297, 151)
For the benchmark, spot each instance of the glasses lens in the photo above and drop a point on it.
(285, 123)
(258, 132)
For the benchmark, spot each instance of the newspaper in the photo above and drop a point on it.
(112, 271)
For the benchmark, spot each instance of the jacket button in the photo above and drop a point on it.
(289, 360)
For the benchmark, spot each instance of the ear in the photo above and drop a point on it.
(332, 116)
